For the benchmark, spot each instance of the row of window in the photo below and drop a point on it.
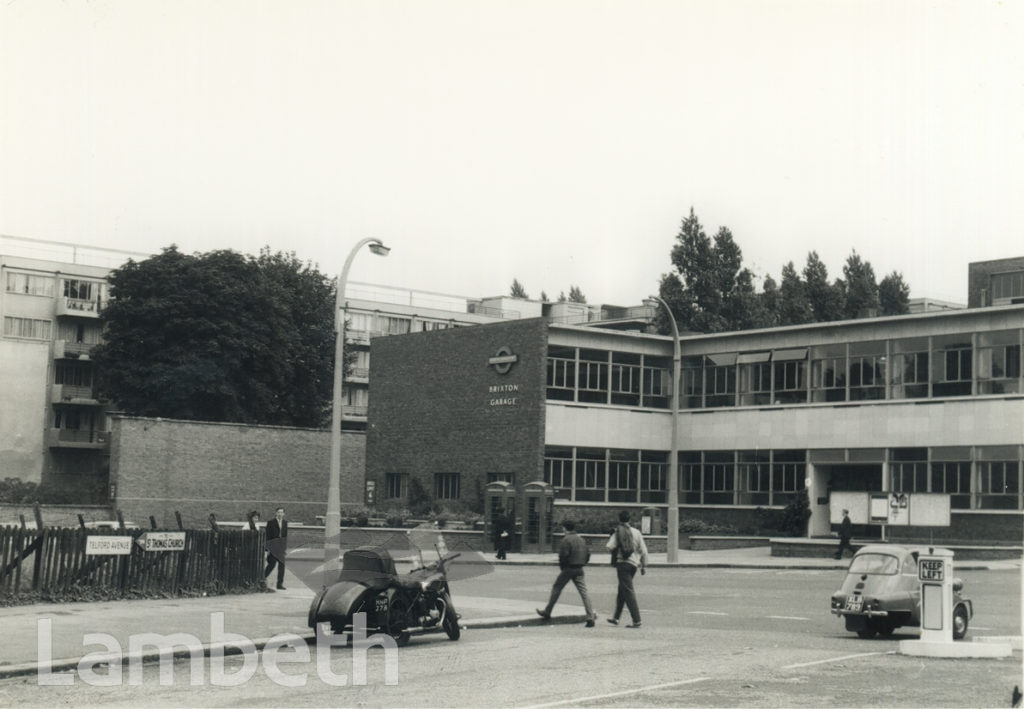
(974, 478)
(377, 324)
(32, 284)
(920, 367)
(447, 486)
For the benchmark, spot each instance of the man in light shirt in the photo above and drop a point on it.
(626, 566)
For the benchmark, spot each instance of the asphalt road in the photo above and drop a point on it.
(711, 638)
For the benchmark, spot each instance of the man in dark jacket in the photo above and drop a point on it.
(845, 534)
(277, 542)
(573, 555)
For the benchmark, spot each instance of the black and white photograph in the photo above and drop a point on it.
(340, 336)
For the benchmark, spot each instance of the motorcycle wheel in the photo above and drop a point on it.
(401, 637)
(451, 618)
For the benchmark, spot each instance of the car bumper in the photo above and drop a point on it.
(866, 613)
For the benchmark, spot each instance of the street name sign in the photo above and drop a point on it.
(101, 545)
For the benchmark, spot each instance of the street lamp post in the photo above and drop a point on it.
(332, 522)
(672, 540)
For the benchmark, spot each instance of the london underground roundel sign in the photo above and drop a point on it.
(503, 360)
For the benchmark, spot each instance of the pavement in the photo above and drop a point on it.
(56, 636)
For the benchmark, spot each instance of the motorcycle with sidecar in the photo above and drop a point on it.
(393, 603)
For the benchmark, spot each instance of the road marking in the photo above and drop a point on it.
(786, 617)
(706, 613)
(599, 697)
(834, 659)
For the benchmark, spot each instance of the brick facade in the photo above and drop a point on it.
(431, 412)
(160, 466)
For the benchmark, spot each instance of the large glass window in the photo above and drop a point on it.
(561, 373)
(28, 328)
(828, 373)
(558, 471)
(81, 290)
(691, 395)
(720, 380)
(657, 384)
(867, 371)
(592, 377)
(754, 478)
(908, 470)
(719, 477)
(623, 468)
(755, 378)
(689, 477)
(910, 368)
(789, 470)
(653, 474)
(789, 368)
(951, 365)
(591, 467)
(626, 375)
(999, 362)
(390, 325)
(1007, 286)
(998, 478)
(28, 284)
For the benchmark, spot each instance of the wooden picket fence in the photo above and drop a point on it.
(53, 562)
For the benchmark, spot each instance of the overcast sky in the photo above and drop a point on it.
(558, 142)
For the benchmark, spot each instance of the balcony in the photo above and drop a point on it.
(357, 337)
(78, 308)
(73, 394)
(66, 349)
(353, 411)
(359, 374)
(70, 438)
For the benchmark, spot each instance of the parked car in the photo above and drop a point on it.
(882, 592)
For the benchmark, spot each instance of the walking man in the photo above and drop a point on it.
(845, 533)
(627, 545)
(277, 543)
(573, 555)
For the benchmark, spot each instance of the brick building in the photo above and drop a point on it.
(921, 403)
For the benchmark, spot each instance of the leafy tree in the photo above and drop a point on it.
(794, 305)
(576, 295)
(861, 287)
(709, 291)
(517, 290)
(544, 297)
(219, 337)
(894, 295)
(769, 303)
(796, 514)
(826, 300)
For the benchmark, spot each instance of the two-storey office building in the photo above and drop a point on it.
(928, 402)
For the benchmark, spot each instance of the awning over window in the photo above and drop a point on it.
(789, 355)
(722, 360)
(751, 357)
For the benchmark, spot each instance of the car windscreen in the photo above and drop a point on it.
(874, 564)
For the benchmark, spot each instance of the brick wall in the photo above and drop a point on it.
(438, 406)
(160, 466)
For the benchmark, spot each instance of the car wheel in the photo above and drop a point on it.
(451, 619)
(959, 622)
(886, 629)
(867, 633)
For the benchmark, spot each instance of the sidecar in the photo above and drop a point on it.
(366, 584)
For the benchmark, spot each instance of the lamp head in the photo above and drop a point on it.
(380, 249)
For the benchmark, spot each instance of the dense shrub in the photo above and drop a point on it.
(795, 515)
(17, 492)
(698, 527)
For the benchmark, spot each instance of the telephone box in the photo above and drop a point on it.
(651, 521)
(500, 511)
(539, 508)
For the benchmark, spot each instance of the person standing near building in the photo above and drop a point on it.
(573, 555)
(845, 534)
(628, 548)
(502, 536)
(277, 543)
